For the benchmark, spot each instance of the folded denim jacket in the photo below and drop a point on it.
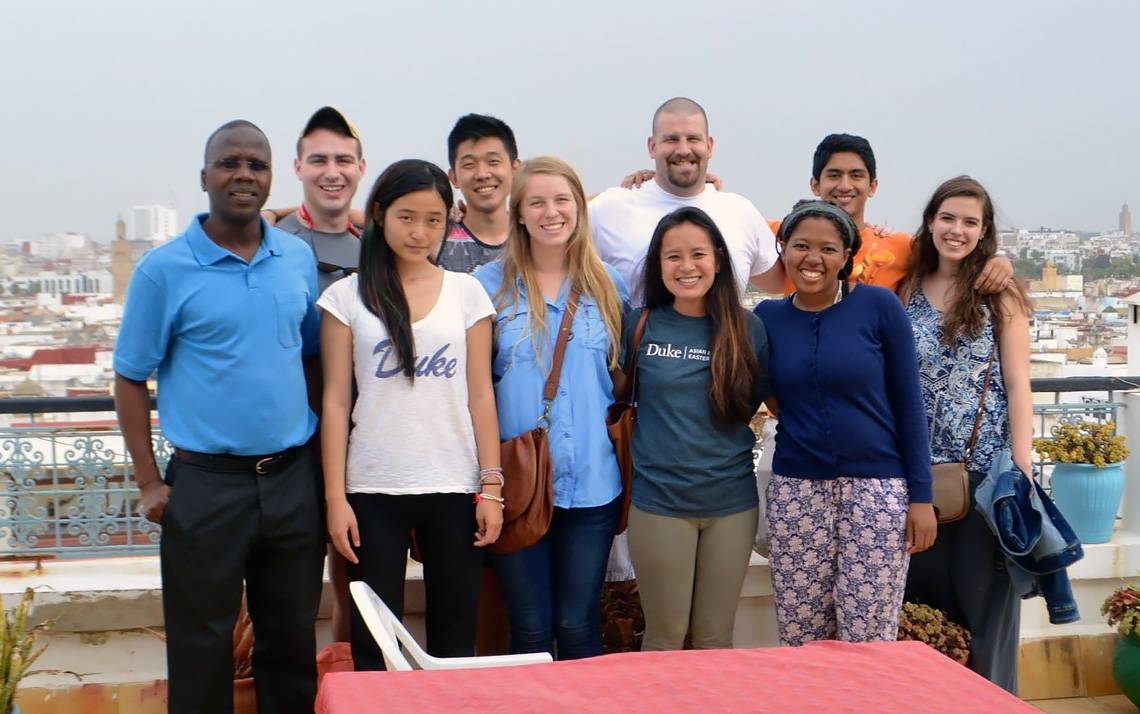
(1036, 539)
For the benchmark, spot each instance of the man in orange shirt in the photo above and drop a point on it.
(844, 173)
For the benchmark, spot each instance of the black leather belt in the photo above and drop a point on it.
(261, 465)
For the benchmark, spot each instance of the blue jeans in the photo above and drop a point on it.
(553, 589)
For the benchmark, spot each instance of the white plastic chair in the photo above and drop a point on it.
(390, 633)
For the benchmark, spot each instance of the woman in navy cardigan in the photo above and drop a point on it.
(850, 496)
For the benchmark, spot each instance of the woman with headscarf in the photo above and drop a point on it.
(850, 495)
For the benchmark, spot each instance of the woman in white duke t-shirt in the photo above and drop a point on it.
(424, 435)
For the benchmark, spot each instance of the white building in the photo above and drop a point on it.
(98, 281)
(58, 245)
(1133, 333)
(1068, 260)
(154, 222)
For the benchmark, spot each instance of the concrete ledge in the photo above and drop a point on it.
(108, 617)
(108, 622)
(1064, 667)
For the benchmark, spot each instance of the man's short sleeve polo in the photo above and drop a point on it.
(144, 333)
(226, 337)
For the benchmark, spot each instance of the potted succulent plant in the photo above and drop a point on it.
(1122, 610)
(1088, 475)
(929, 625)
(17, 650)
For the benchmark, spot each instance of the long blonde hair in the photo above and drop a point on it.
(586, 271)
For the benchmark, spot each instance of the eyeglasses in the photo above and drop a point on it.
(334, 268)
(231, 164)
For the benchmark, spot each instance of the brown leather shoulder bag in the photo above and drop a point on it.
(951, 482)
(528, 475)
(620, 418)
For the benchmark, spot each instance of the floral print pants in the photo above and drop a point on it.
(838, 557)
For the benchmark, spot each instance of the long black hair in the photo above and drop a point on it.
(732, 363)
(380, 287)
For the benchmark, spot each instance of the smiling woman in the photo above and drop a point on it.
(417, 341)
(701, 373)
(553, 587)
(980, 344)
(850, 496)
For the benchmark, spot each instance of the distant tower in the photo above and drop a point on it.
(121, 263)
(1125, 221)
(1049, 275)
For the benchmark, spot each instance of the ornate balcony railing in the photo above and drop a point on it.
(67, 483)
(68, 490)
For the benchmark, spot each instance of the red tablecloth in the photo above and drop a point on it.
(821, 677)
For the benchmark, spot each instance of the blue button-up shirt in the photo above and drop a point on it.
(226, 337)
(585, 467)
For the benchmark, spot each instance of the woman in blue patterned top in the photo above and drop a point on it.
(553, 588)
(955, 329)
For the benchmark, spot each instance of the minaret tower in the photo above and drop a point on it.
(121, 263)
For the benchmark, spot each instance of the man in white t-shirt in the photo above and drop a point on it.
(623, 220)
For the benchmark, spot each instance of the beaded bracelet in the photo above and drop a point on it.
(480, 497)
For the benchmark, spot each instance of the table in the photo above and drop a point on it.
(819, 677)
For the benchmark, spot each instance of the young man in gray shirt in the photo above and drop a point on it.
(330, 163)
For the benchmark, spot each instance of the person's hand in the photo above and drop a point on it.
(269, 216)
(996, 276)
(154, 494)
(635, 179)
(921, 527)
(342, 529)
(489, 517)
(458, 211)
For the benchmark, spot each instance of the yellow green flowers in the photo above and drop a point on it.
(931, 626)
(1085, 442)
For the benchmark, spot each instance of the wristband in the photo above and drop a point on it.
(480, 497)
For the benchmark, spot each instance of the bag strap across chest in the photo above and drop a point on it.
(550, 390)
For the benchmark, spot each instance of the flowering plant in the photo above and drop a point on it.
(1122, 609)
(929, 625)
(1084, 442)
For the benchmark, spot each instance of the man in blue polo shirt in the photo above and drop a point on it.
(224, 313)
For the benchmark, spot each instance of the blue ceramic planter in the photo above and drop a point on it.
(1089, 498)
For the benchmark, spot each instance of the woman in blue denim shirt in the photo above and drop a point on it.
(956, 329)
(553, 588)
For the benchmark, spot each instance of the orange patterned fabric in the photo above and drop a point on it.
(881, 677)
(882, 260)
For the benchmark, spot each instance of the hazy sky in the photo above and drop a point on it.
(107, 103)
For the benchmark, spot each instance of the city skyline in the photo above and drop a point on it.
(1026, 96)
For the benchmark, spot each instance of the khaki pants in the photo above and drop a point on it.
(689, 573)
